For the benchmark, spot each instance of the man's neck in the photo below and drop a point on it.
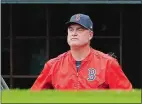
(80, 53)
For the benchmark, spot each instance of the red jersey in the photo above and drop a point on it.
(97, 71)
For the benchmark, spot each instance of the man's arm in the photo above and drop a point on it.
(44, 79)
(116, 78)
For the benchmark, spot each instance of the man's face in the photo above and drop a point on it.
(78, 35)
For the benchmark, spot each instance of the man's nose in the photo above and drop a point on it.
(74, 33)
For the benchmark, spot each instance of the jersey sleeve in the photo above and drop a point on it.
(116, 78)
(43, 81)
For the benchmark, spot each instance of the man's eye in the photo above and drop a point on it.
(80, 29)
(70, 29)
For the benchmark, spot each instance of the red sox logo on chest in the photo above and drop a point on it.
(91, 74)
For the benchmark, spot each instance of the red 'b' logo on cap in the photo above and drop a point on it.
(77, 17)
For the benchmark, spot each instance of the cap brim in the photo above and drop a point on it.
(70, 23)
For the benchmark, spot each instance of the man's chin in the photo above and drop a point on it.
(75, 45)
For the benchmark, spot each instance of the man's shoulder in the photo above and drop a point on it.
(103, 55)
(58, 58)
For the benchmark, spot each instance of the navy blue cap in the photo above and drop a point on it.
(81, 19)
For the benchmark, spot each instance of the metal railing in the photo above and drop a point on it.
(3, 84)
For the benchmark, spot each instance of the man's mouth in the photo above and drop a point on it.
(74, 38)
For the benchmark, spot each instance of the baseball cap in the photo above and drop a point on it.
(81, 19)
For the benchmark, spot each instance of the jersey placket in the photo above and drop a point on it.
(77, 84)
(78, 65)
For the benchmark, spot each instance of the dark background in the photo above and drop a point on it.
(31, 34)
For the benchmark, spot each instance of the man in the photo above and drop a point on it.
(82, 67)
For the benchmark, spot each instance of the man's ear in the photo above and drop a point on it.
(91, 34)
